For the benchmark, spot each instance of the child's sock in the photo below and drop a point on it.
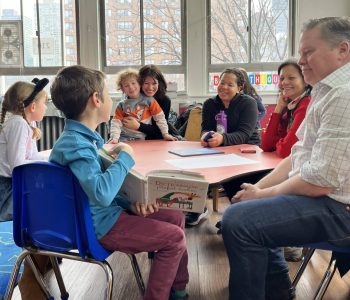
(178, 294)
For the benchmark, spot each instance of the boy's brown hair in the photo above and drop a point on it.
(72, 88)
(125, 74)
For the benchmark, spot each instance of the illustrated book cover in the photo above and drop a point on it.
(171, 189)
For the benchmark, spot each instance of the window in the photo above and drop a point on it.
(256, 38)
(69, 39)
(124, 25)
(123, 12)
(148, 12)
(147, 33)
(148, 25)
(39, 34)
(164, 25)
(124, 38)
(68, 26)
(68, 13)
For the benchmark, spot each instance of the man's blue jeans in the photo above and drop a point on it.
(254, 230)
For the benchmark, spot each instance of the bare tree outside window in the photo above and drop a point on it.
(240, 37)
(164, 40)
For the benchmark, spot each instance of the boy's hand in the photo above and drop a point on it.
(169, 137)
(144, 210)
(112, 141)
(121, 147)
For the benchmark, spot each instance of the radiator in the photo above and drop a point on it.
(51, 128)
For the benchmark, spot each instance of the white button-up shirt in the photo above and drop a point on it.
(322, 154)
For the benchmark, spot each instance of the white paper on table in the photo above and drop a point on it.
(210, 161)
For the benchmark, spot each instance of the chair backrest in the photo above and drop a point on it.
(194, 123)
(51, 211)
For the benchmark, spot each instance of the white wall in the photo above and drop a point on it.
(309, 9)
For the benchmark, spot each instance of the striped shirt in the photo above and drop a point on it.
(322, 154)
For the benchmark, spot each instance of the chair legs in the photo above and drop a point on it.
(64, 295)
(327, 277)
(14, 275)
(302, 267)
(58, 275)
(53, 257)
(137, 273)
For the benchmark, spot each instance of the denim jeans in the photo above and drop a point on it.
(254, 230)
(6, 203)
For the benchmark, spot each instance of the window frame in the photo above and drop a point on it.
(43, 70)
(252, 66)
(166, 69)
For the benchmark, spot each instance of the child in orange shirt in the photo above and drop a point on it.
(137, 106)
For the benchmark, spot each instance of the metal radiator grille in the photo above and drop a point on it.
(51, 128)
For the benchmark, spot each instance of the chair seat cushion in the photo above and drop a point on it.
(8, 254)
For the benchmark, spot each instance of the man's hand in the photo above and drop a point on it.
(248, 191)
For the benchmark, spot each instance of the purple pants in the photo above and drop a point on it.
(162, 232)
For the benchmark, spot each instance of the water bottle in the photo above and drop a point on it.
(221, 122)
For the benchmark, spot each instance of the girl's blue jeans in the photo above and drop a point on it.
(6, 203)
(254, 230)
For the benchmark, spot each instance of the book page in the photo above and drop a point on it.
(134, 187)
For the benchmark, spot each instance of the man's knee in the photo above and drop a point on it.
(234, 219)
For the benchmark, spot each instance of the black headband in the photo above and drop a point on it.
(39, 86)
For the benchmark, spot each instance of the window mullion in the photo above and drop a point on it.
(249, 31)
(142, 31)
(38, 31)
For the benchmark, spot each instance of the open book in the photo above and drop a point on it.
(170, 189)
(107, 159)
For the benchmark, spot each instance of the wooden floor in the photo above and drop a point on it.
(208, 268)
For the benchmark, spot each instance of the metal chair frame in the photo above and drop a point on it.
(329, 273)
(86, 245)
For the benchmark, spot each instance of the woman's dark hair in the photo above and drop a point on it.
(237, 72)
(154, 72)
(294, 63)
(248, 89)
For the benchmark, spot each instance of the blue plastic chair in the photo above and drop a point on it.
(52, 217)
(332, 266)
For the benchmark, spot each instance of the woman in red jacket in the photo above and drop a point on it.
(289, 112)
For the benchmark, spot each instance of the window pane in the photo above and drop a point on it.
(230, 31)
(10, 34)
(123, 32)
(229, 36)
(165, 27)
(269, 30)
(54, 38)
(161, 28)
(7, 81)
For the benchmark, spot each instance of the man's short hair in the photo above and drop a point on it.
(72, 88)
(334, 30)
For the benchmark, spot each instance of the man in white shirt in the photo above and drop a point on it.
(306, 199)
